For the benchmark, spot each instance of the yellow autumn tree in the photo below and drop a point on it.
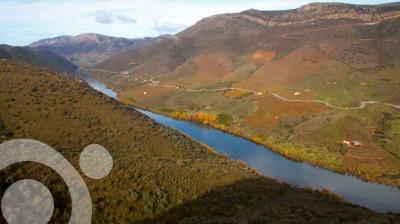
(205, 117)
(180, 115)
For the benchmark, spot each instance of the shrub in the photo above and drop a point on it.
(225, 119)
(166, 110)
(129, 100)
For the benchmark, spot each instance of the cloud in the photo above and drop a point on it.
(168, 27)
(103, 17)
(109, 17)
(125, 19)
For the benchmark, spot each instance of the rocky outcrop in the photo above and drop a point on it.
(315, 13)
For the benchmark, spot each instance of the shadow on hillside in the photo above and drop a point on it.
(261, 200)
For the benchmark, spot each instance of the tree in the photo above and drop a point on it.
(225, 119)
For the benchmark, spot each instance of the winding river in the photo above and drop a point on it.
(377, 197)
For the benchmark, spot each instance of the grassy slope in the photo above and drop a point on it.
(283, 125)
(39, 57)
(342, 64)
(159, 175)
(301, 131)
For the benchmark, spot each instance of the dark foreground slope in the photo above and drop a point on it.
(35, 56)
(159, 175)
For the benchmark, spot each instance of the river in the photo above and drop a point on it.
(376, 197)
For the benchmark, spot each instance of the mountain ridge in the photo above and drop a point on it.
(276, 21)
(88, 48)
(329, 53)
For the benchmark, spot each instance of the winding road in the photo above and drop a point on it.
(362, 105)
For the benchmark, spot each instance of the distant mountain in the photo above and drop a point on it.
(312, 69)
(244, 33)
(39, 57)
(90, 48)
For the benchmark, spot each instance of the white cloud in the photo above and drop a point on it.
(109, 17)
(103, 17)
(125, 19)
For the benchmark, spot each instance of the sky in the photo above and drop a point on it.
(25, 21)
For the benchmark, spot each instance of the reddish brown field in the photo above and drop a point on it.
(271, 110)
(369, 152)
(295, 67)
(261, 57)
(211, 68)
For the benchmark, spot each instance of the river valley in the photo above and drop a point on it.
(377, 197)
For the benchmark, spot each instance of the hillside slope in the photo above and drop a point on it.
(88, 49)
(286, 79)
(159, 175)
(37, 57)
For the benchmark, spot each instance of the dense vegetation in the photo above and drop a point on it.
(159, 175)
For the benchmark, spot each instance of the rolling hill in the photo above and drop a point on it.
(88, 49)
(38, 57)
(159, 175)
(319, 83)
